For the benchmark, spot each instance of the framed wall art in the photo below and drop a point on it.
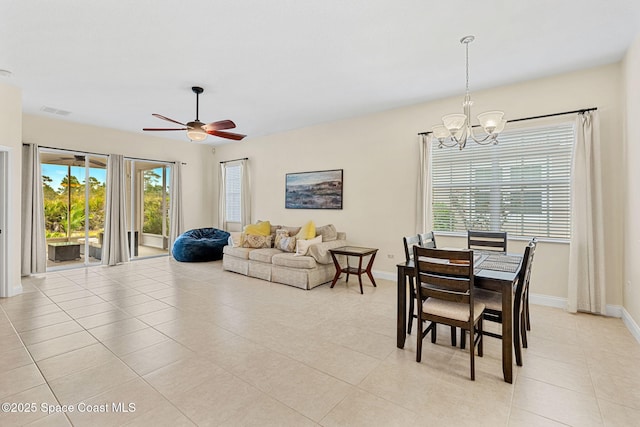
(314, 190)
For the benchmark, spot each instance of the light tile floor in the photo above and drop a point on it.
(157, 342)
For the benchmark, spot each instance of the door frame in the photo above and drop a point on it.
(5, 291)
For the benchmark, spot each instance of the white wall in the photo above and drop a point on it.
(197, 174)
(631, 67)
(379, 155)
(10, 131)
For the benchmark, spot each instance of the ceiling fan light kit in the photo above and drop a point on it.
(198, 131)
(195, 131)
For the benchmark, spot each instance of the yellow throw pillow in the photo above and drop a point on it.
(308, 231)
(262, 228)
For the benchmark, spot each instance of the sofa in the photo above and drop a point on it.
(275, 264)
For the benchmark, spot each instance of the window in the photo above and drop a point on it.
(521, 185)
(233, 190)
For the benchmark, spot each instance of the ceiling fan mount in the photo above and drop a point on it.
(198, 131)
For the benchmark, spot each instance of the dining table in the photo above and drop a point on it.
(495, 271)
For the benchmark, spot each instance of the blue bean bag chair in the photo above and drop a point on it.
(200, 244)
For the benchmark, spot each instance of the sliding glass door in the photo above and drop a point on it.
(74, 187)
(74, 205)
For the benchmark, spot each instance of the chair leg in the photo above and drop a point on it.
(412, 298)
(420, 336)
(526, 310)
(480, 338)
(472, 354)
(463, 339)
(518, 327)
(523, 330)
(434, 333)
(453, 336)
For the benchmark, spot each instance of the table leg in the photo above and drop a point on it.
(368, 271)
(360, 273)
(507, 333)
(338, 270)
(401, 332)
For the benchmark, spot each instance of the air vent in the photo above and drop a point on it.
(57, 111)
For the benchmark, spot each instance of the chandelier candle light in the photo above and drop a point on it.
(456, 128)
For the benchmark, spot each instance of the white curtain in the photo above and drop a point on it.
(114, 246)
(424, 209)
(176, 216)
(222, 199)
(34, 250)
(245, 185)
(586, 290)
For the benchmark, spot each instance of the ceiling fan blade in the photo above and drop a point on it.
(220, 125)
(228, 135)
(167, 119)
(164, 129)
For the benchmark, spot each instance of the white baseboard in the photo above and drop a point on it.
(548, 301)
(615, 311)
(631, 324)
(385, 275)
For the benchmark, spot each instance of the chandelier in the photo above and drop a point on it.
(456, 128)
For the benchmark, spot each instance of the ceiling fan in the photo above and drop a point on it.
(198, 131)
(74, 160)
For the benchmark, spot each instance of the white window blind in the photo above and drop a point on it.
(233, 189)
(521, 185)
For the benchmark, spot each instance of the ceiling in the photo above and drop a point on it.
(277, 65)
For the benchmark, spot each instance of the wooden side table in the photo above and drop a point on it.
(353, 251)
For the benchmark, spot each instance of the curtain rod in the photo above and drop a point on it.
(98, 154)
(235, 160)
(581, 111)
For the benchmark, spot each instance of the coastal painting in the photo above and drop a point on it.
(314, 190)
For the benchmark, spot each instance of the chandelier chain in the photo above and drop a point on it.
(467, 62)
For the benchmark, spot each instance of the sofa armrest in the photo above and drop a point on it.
(320, 251)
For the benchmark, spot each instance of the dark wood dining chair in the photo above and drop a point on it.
(525, 295)
(487, 240)
(427, 240)
(445, 294)
(493, 305)
(409, 243)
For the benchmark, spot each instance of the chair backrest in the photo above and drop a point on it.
(525, 273)
(532, 250)
(427, 240)
(487, 240)
(409, 243)
(444, 274)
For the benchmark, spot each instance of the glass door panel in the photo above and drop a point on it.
(95, 206)
(73, 188)
(147, 206)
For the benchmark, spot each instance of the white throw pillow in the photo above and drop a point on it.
(235, 239)
(302, 246)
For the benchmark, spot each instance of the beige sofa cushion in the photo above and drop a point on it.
(264, 255)
(292, 230)
(290, 260)
(328, 232)
(237, 252)
(320, 252)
